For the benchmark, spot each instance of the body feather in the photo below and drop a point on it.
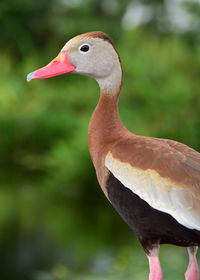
(163, 173)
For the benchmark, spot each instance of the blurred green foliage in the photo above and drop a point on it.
(55, 223)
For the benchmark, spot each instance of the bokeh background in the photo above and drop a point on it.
(55, 223)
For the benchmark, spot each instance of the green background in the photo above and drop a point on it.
(55, 223)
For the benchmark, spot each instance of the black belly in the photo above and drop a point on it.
(150, 225)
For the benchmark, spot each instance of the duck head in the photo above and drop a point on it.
(91, 54)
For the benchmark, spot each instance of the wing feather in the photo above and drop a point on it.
(165, 177)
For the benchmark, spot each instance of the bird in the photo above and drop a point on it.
(153, 183)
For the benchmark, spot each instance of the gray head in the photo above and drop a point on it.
(91, 54)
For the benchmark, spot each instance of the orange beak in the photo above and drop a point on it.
(58, 66)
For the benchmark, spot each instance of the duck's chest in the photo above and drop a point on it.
(105, 129)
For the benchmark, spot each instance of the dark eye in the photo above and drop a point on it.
(84, 48)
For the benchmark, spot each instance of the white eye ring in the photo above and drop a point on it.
(84, 48)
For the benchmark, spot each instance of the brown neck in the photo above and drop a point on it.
(105, 126)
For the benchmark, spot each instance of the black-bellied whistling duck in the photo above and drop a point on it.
(154, 184)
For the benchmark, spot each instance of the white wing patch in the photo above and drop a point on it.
(160, 193)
